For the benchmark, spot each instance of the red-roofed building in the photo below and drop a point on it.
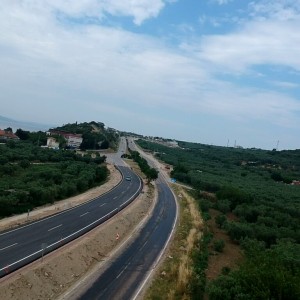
(73, 140)
(7, 135)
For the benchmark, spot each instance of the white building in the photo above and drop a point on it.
(73, 140)
(52, 143)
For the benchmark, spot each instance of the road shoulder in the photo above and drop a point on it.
(79, 261)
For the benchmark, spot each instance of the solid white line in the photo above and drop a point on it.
(8, 246)
(110, 255)
(67, 210)
(74, 233)
(54, 227)
(84, 214)
(57, 241)
(164, 248)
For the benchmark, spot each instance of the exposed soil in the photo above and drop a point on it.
(57, 274)
(173, 276)
(230, 256)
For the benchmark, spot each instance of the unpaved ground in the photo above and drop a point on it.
(62, 269)
(228, 258)
(172, 278)
(41, 212)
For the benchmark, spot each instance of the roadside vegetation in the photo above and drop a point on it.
(150, 173)
(32, 176)
(174, 276)
(258, 201)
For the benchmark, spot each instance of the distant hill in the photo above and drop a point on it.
(95, 135)
(15, 124)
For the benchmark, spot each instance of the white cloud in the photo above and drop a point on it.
(221, 2)
(280, 9)
(139, 10)
(256, 43)
(56, 71)
(285, 84)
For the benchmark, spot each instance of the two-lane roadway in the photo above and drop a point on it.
(23, 245)
(126, 275)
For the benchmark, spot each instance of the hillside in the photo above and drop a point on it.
(95, 135)
(32, 175)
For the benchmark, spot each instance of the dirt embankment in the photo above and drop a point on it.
(61, 270)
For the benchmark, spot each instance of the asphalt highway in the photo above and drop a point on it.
(23, 245)
(126, 275)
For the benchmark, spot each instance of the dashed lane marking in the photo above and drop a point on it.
(8, 246)
(54, 227)
(84, 214)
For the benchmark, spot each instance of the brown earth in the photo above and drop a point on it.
(231, 255)
(172, 277)
(57, 274)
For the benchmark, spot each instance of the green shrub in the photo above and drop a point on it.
(219, 245)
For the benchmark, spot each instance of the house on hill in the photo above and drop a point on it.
(73, 140)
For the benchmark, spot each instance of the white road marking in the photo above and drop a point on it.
(143, 245)
(84, 214)
(9, 246)
(54, 227)
(102, 204)
(116, 197)
(74, 233)
(123, 270)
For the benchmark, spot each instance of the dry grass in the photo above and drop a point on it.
(175, 273)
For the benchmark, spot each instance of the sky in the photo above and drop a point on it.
(208, 71)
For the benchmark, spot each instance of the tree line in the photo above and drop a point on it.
(151, 173)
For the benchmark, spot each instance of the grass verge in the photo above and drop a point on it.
(173, 278)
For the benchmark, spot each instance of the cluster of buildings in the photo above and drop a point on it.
(73, 141)
(165, 142)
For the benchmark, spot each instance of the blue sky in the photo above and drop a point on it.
(202, 71)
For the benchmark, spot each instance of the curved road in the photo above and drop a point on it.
(125, 277)
(23, 245)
